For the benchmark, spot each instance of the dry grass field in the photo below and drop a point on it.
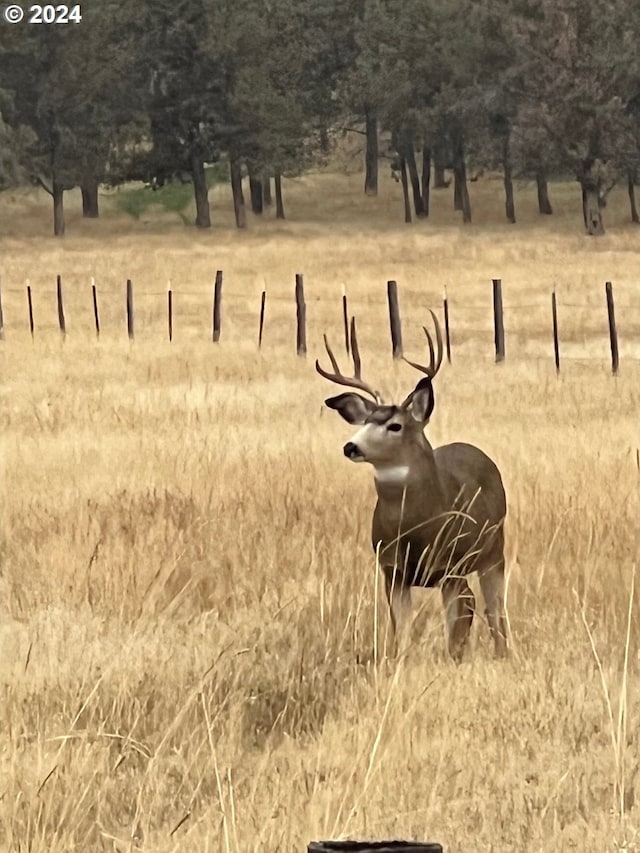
(191, 638)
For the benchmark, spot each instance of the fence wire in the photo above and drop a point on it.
(104, 299)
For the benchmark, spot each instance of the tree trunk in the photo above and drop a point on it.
(58, 209)
(238, 196)
(632, 198)
(461, 191)
(279, 205)
(590, 183)
(90, 208)
(591, 209)
(440, 181)
(544, 205)
(405, 189)
(426, 178)
(266, 191)
(410, 158)
(466, 202)
(371, 154)
(201, 192)
(457, 191)
(509, 204)
(255, 190)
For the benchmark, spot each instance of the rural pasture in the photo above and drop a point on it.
(192, 629)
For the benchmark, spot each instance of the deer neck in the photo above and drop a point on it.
(411, 480)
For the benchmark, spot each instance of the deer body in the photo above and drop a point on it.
(416, 521)
(440, 513)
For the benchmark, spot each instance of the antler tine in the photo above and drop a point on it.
(357, 364)
(435, 353)
(354, 381)
(332, 357)
(438, 342)
(432, 353)
(355, 351)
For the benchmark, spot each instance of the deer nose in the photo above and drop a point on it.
(350, 450)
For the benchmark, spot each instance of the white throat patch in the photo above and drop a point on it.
(393, 474)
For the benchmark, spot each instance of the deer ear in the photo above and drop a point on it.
(352, 407)
(420, 401)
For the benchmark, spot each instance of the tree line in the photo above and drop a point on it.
(154, 91)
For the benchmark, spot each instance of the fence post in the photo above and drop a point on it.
(30, 307)
(394, 319)
(96, 316)
(301, 317)
(345, 319)
(130, 310)
(1, 313)
(61, 320)
(498, 319)
(556, 340)
(217, 306)
(613, 331)
(170, 310)
(447, 334)
(263, 299)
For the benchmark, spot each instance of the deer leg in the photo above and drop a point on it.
(399, 600)
(492, 586)
(459, 605)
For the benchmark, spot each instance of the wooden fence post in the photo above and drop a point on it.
(217, 306)
(301, 317)
(556, 340)
(394, 319)
(30, 307)
(61, 320)
(130, 310)
(170, 310)
(498, 319)
(345, 319)
(96, 316)
(1, 314)
(613, 331)
(263, 299)
(447, 334)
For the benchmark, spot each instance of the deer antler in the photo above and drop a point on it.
(435, 353)
(339, 378)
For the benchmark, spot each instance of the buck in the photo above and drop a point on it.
(440, 512)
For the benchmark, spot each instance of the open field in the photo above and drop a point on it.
(189, 620)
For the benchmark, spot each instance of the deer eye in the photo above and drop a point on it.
(394, 427)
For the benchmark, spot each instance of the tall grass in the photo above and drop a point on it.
(191, 621)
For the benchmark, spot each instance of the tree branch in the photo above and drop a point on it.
(353, 130)
(38, 180)
(606, 192)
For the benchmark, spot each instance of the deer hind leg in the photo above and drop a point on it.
(459, 605)
(492, 586)
(399, 599)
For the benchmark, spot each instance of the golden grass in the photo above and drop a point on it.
(187, 579)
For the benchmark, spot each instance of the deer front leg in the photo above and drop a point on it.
(492, 586)
(459, 605)
(399, 600)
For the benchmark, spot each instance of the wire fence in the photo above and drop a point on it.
(499, 308)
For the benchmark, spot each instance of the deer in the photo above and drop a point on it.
(440, 511)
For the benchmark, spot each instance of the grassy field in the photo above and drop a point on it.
(190, 609)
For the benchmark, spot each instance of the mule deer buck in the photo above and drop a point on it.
(440, 512)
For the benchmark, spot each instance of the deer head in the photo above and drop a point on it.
(388, 434)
